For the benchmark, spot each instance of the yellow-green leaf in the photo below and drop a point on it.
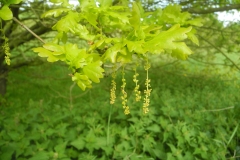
(42, 52)
(82, 81)
(112, 52)
(192, 37)
(55, 12)
(54, 48)
(135, 20)
(6, 13)
(94, 71)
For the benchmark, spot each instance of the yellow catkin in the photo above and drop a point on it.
(147, 91)
(6, 51)
(113, 89)
(124, 95)
(136, 89)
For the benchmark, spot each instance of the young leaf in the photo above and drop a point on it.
(192, 37)
(42, 52)
(135, 20)
(182, 51)
(55, 12)
(112, 52)
(170, 40)
(135, 46)
(67, 23)
(91, 16)
(55, 48)
(85, 4)
(6, 13)
(125, 56)
(94, 71)
(82, 81)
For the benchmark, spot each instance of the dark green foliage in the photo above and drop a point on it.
(183, 123)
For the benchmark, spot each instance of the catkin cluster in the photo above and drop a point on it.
(6, 51)
(124, 95)
(113, 89)
(136, 89)
(147, 91)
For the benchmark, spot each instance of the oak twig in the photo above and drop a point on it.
(29, 30)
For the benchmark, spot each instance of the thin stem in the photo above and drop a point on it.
(70, 95)
(216, 110)
(29, 30)
(108, 125)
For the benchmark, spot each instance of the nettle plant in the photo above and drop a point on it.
(119, 35)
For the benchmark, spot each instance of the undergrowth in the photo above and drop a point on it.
(190, 117)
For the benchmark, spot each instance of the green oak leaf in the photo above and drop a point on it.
(94, 71)
(91, 16)
(170, 40)
(181, 51)
(172, 13)
(54, 48)
(112, 52)
(195, 22)
(61, 36)
(6, 13)
(86, 4)
(55, 12)
(68, 22)
(96, 45)
(82, 81)
(72, 52)
(75, 57)
(136, 16)
(83, 32)
(122, 17)
(42, 52)
(135, 46)
(192, 37)
(125, 56)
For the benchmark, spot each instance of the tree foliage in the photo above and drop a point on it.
(115, 34)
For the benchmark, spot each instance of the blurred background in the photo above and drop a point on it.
(194, 104)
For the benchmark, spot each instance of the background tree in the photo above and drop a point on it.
(28, 13)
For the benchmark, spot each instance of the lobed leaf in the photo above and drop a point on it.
(94, 71)
(42, 52)
(82, 81)
(135, 19)
(170, 40)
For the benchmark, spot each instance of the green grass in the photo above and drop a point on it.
(191, 117)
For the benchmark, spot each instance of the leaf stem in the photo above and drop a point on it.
(108, 125)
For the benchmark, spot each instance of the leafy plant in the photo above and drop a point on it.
(114, 34)
(182, 122)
